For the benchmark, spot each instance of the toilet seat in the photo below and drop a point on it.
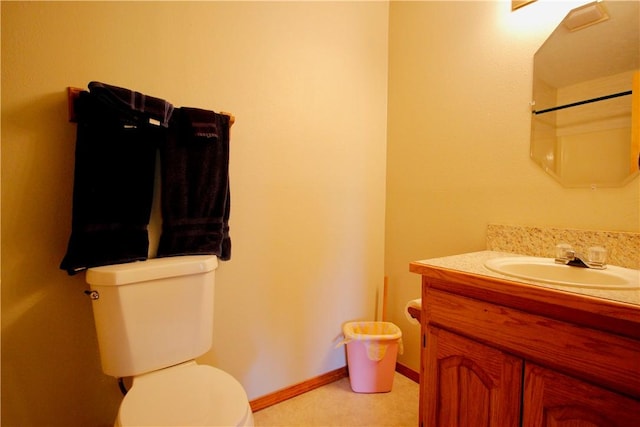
(185, 395)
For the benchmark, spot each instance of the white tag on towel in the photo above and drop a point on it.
(154, 121)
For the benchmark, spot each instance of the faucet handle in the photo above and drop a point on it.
(597, 256)
(564, 253)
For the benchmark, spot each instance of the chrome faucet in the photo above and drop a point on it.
(596, 259)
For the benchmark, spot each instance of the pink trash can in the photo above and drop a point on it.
(372, 348)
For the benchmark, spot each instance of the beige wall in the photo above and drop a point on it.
(460, 78)
(307, 83)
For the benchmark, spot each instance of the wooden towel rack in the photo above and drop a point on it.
(73, 93)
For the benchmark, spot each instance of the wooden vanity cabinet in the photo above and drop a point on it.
(553, 399)
(500, 353)
(474, 384)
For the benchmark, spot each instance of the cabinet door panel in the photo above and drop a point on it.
(552, 399)
(476, 385)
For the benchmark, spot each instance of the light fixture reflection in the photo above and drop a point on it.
(584, 16)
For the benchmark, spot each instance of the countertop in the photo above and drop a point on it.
(614, 311)
(473, 263)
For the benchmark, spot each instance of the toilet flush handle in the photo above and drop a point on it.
(94, 295)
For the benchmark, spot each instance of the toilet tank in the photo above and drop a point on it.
(153, 314)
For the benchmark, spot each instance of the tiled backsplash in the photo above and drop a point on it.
(623, 248)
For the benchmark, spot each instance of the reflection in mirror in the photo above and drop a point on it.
(517, 4)
(586, 100)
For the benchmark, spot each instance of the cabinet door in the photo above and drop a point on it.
(468, 384)
(552, 399)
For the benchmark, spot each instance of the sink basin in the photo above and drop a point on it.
(548, 271)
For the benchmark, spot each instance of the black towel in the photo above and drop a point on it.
(113, 185)
(134, 105)
(195, 185)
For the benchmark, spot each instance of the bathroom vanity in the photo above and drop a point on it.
(498, 351)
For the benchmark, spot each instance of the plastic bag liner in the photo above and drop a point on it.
(376, 337)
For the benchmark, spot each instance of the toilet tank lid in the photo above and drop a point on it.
(152, 269)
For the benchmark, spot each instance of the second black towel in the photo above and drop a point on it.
(195, 185)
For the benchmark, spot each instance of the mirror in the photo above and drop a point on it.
(586, 97)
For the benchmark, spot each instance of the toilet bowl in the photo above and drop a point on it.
(185, 395)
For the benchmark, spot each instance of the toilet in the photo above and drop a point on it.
(153, 318)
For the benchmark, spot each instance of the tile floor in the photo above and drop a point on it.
(336, 405)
